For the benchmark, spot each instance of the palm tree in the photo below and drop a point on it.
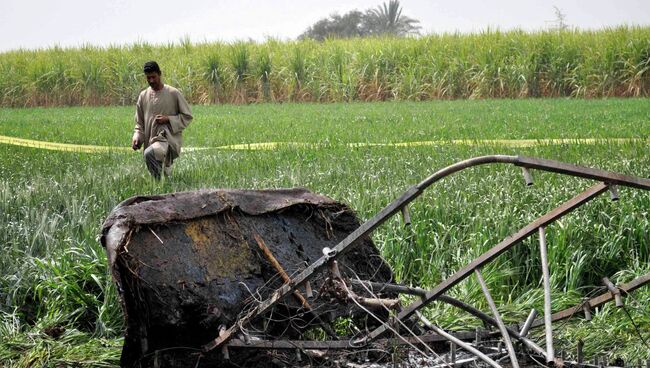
(388, 19)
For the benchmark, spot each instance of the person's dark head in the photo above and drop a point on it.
(152, 72)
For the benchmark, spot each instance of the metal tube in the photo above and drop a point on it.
(457, 341)
(528, 323)
(614, 290)
(452, 352)
(586, 309)
(380, 286)
(613, 192)
(497, 316)
(528, 178)
(406, 216)
(580, 356)
(550, 353)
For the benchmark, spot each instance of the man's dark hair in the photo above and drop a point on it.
(151, 67)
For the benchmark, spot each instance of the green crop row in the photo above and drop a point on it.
(513, 64)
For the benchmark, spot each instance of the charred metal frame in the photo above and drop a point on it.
(608, 181)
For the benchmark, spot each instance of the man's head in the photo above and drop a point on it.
(152, 72)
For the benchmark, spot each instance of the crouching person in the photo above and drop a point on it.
(161, 115)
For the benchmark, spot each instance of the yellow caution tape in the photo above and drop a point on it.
(514, 143)
(59, 146)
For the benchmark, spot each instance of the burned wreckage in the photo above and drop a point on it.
(266, 277)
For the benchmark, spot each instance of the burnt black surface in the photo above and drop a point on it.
(184, 277)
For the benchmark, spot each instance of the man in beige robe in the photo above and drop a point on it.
(161, 115)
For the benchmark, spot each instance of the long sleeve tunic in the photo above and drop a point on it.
(170, 102)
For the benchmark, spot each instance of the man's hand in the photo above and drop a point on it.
(135, 144)
(161, 119)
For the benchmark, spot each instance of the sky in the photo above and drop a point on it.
(34, 24)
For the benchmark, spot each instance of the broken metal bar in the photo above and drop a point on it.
(373, 303)
(497, 250)
(406, 215)
(495, 312)
(586, 309)
(379, 287)
(598, 300)
(583, 172)
(614, 290)
(366, 228)
(457, 341)
(528, 178)
(550, 354)
(452, 353)
(528, 323)
(613, 192)
(580, 355)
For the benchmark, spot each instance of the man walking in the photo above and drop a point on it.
(161, 115)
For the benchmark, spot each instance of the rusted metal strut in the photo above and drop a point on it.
(607, 178)
(596, 301)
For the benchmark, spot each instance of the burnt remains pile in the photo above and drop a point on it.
(188, 264)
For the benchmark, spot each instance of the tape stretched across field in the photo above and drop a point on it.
(515, 143)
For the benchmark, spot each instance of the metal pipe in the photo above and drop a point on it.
(379, 287)
(457, 341)
(550, 353)
(613, 192)
(580, 356)
(586, 309)
(497, 317)
(528, 178)
(406, 216)
(528, 323)
(614, 290)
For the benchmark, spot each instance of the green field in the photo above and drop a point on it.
(53, 271)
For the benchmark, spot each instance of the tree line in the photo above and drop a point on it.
(384, 20)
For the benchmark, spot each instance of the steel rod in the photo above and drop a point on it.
(614, 290)
(586, 309)
(528, 323)
(497, 317)
(406, 216)
(379, 287)
(457, 341)
(613, 193)
(528, 178)
(548, 326)
(580, 356)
